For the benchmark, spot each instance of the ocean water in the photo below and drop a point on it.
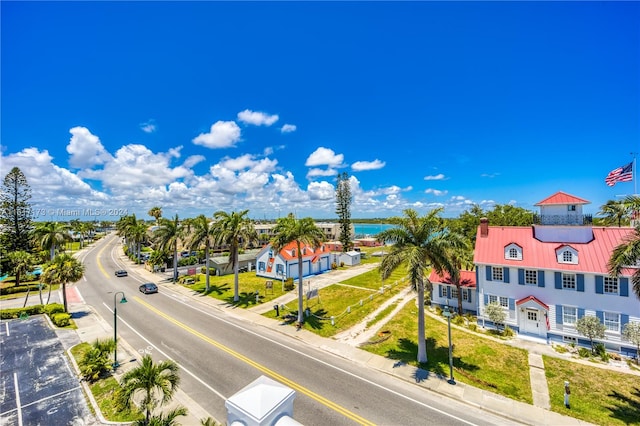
(369, 229)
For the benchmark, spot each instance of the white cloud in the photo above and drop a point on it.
(435, 192)
(257, 118)
(457, 198)
(85, 149)
(321, 191)
(148, 127)
(223, 134)
(288, 128)
(324, 157)
(489, 175)
(315, 172)
(367, 165)
(435, 177)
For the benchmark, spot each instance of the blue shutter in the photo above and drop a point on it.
(624, 287)
(512, 304)
(558, 314)
(469, 296)
(540, 278)
(624, 319)
(599, 284)
(486, 299)
(521, 276)
(580, 313)
(505, 275)
(448, 292)
(600, 316)
(558, 277)
(488, 270)
(580, 282)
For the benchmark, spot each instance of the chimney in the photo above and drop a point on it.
(484, 227)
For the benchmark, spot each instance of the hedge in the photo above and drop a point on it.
(51, 309)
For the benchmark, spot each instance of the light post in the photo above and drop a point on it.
(446, 313)
(115, 327)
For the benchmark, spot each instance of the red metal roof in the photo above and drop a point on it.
(535, 299)
(592, 256)
(467, 278)
(562, 198)
(287, 251)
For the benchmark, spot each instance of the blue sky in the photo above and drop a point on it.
(111, 107)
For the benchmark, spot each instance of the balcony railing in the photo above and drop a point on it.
(566, 219)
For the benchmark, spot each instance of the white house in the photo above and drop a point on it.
(445, 292)
(349, 258)
(548, 275)
(285, 263)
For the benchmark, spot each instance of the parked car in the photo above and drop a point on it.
(147, 288)
(121, 273)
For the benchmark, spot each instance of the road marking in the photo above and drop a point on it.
(18, 407)
(221, 396)
(379, 386)
(53, 396)
(100, 263)
(330, 404)
(6, 325)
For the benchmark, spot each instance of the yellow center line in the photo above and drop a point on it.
(356, 418)
(98, 256)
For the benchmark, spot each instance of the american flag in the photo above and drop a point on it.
(621, 174)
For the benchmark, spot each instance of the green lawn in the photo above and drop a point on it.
(221, 287)
(348, 304)
(599, 396)
(479, 362)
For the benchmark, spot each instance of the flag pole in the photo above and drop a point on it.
(635, 174)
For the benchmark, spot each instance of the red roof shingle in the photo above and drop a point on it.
(562, 198)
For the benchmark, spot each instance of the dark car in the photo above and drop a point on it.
(121, 273)
(147, 288)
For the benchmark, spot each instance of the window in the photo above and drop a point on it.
(569, 315)
(279, 269)
(571, 207)
(466, 296)
(261, 266)
(513, 253)
(443, 291)
(454, 292)
(532, 315)
(493, 299)
(567, 256)
(504, 302)
(569, 281)
(496, 273)
(569, 339)
(531, 277)
(610, 285)
(612, 322)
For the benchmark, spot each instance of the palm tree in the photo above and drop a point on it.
(302, 231)
(21, 263)
(203, 234)
(155, 212)
(614, 212)
(155, 384)
(234, 230)
(138, 233)
(627, 254)
(62, 269)
(168, 419)
(167, 235)
(124, 228)
(419, 243)
(50, 235)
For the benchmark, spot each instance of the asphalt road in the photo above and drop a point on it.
(219, 355)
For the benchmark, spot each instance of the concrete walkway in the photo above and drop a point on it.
(539, 386)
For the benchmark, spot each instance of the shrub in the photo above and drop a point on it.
(601, 351)
(334, 265)
(458, 320)
(288, 284)
(53, 308)
(438, 310)
(96, 361)
(15, 312)
(61, 319)
(19, 289)
(584, 352)
(341, 264)
(560, 349)
(473, 326)
(508, 332)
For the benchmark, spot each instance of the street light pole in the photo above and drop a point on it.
(115, 327)
(447, 314)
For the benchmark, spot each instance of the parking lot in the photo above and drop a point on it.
(37, 383)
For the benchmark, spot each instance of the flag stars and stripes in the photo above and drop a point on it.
(621, 174)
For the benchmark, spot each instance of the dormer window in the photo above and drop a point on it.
(567, 254)
(513, 252)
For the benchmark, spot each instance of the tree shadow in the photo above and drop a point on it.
(217, 289)
(244, 300)
(79, 314)
(317, 323)
(625, 408)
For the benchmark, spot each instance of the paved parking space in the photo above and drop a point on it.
(37, 383)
